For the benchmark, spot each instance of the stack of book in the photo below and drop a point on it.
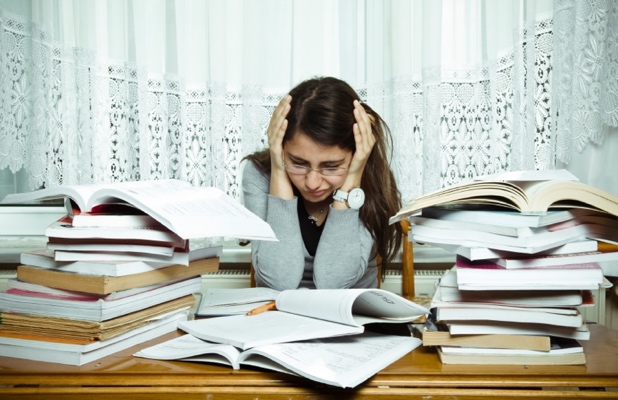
(118, 272)
(527, 257)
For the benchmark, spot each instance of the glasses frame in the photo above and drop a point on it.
(307, 170)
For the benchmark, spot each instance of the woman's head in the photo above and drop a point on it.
(322, 114)
(322, 109)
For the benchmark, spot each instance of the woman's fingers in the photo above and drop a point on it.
(276, 128)
(363, 136)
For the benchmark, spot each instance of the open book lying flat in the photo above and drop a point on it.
(524, 191)
(306, 314)
(344, 361)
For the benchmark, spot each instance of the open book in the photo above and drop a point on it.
(345, 361)
(306, 314)
(524, 191)
(190, 212)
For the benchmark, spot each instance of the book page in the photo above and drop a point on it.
(235, 301)
(223, 296)
(344, 362)
(79, 193)
(350, 306)
(530, 175)
(191, 212)
(187, 347)
(268, 327)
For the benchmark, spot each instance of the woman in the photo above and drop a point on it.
(325, 187)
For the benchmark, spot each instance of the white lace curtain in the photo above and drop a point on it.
(99, 91)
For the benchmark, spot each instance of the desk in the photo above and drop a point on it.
(418, 375)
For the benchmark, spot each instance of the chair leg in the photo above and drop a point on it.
(407, 266)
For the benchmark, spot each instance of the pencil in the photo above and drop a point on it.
(268, 306)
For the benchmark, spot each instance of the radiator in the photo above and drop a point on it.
(425, 281)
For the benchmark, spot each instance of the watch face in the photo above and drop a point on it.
(356, 198)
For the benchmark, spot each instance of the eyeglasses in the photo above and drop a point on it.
(304, 170)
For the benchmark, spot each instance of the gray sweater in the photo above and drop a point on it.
(341, 259)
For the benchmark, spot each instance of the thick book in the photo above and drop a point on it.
(111, 215)
(523, 191)
(344, 361)
(63, 229)
(550, 316)
(562, 352)
(62, 351)
(178, 256)
(542, 240)
(44, 258)
(447, 292)
(94, 308)
(308, 314)
(504, 219)
(513, 328)
(525, 245)
(593, 223)
(102, 285)
(506, 341)
(585, 276)
(549, 260)
(88, 331)
(188, 211)
(482, 252)
(495, 229)
(102, 249)
(435, 333)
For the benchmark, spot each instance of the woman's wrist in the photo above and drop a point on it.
(280, 184)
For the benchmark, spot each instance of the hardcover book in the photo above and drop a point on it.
(188, 211)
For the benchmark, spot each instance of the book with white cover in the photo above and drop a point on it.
(585, 276)
(308, 314)
(80, 354)
(482, 252)
(503, 217)
(555, 259)
(90, 308)
(122, 248)
(63, 229)
(44, 258)
(181, 257)
(477, 227)
(559, 346)
(529, 244)
(562, 352)
(448, 292)
(188, 211)
(343, 361)
(509, 314)
(513, 328)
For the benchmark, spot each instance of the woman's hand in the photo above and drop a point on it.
(280, 184)
(365, 140)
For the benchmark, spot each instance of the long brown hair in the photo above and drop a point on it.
(322, 108)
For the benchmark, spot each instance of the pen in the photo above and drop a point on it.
(268, 306)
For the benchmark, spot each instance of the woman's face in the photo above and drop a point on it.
(315, 186)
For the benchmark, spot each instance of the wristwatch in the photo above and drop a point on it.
(355, 199)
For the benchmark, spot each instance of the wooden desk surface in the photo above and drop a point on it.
(417, 375)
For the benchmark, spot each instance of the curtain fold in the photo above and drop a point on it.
(98, 91)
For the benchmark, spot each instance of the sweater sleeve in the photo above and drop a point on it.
(277, 264)
(342, 259)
